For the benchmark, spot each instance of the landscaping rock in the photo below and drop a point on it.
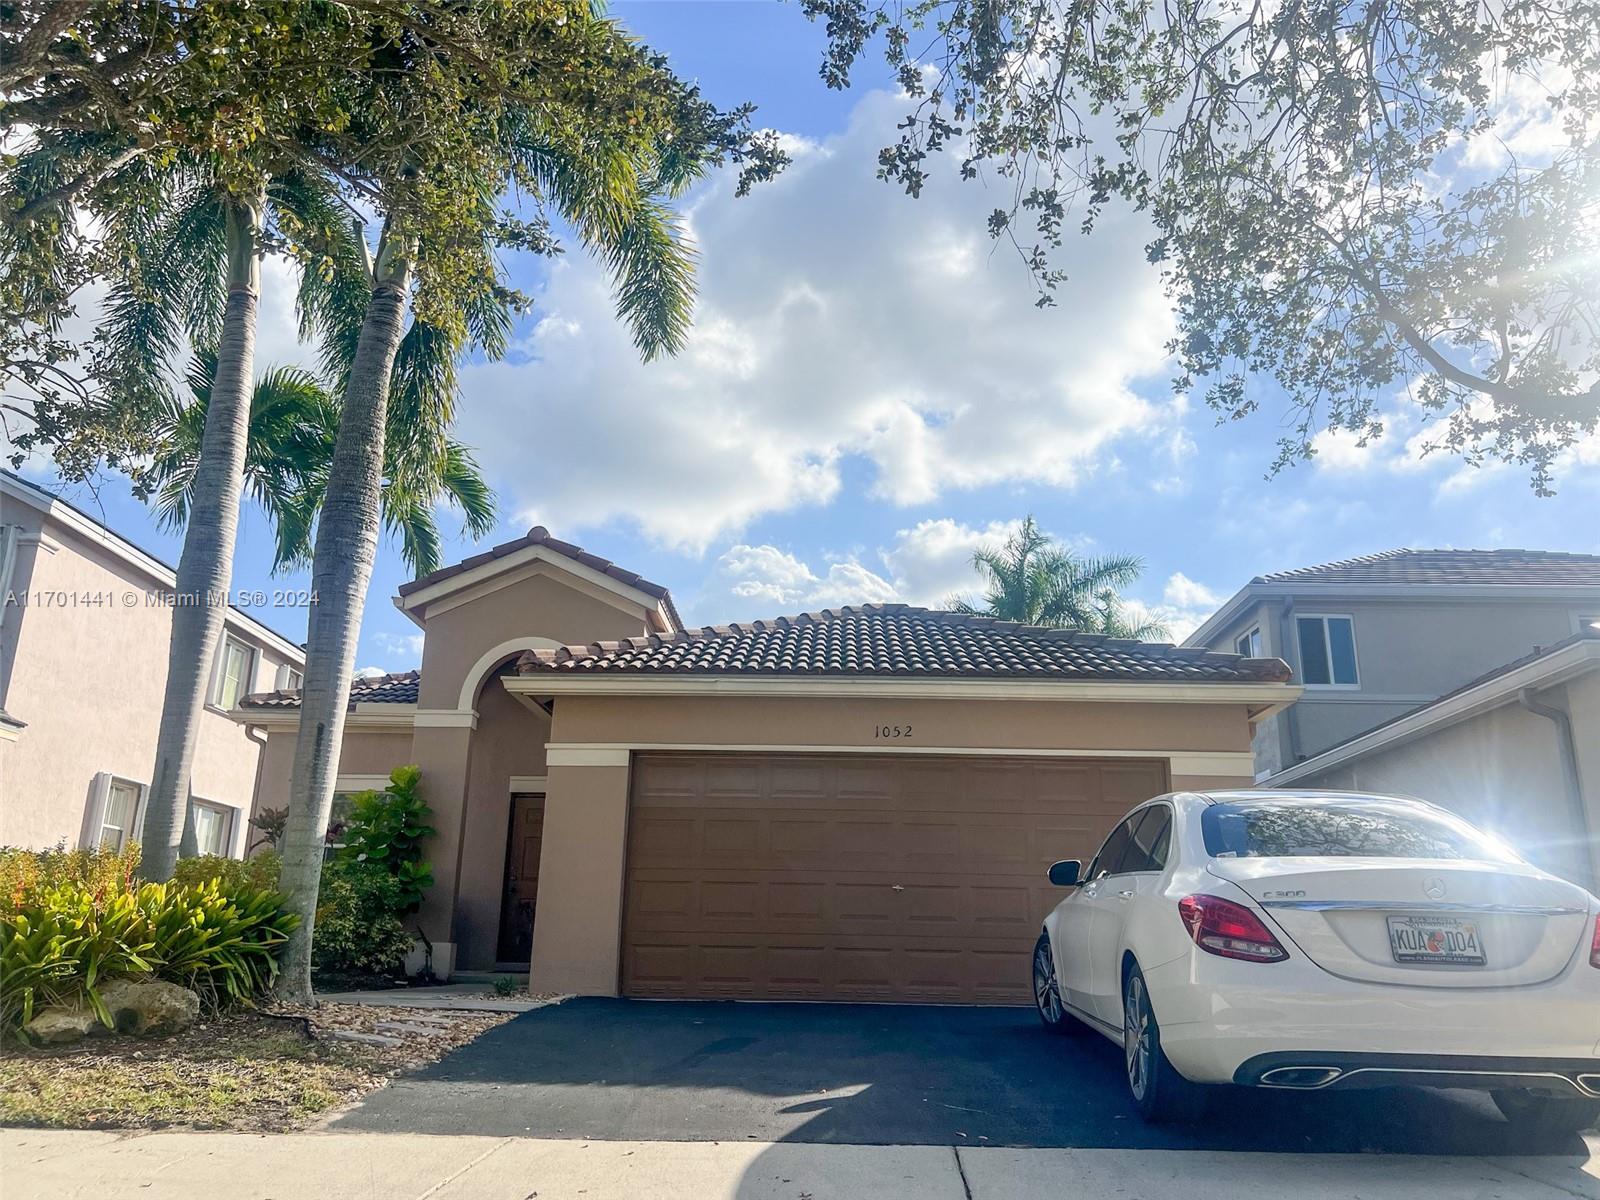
(150, 1007)
(61, 1024)
(408, 1027)
(366, 1039)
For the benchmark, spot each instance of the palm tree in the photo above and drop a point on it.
(612, 195)
(293, 423)
(192, 272)
(1034, 580)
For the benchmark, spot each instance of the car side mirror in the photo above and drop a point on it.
(1065, 873)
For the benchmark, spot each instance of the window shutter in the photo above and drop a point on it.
(94, 812)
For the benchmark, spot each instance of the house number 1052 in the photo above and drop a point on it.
(891, 731)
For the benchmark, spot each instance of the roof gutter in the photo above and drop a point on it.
(1567, 752)
(1264, 696)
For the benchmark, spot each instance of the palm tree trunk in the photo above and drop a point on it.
(341, 567)
(205, 568)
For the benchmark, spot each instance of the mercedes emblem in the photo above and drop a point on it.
(1434, 888)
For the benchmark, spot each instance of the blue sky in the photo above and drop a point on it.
(870, 393)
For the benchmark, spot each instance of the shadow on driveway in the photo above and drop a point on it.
(870, 1075)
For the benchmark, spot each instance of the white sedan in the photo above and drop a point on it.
(1323, 940)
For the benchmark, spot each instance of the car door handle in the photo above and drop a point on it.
(1127, 895)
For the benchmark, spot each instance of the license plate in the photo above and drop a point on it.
(1436, 940)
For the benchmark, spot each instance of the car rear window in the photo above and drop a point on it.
(1346, 829)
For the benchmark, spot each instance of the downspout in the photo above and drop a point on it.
(1291, 715)
(1567, 751)
(250, 732)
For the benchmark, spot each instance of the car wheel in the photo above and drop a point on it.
(1159, 1093)
(1053, 1014)
(1546, 1116)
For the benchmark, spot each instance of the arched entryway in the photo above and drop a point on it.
(498, 890)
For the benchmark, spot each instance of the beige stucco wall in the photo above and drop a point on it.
(88, 681)
(365, 752)
(844, 721)
(466, 772)
(1408, 652)
(1501, 771)
(577, 928)
(535, 605)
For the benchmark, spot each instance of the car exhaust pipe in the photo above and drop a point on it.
(1300, 1077)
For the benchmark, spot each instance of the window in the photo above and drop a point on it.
(1327, 651)
(1147, 850)
(213, 827)
(1248, 644)
(288, 679)
(1347, 829)
(118, 816)
(1589, 623)
(235, 672)
(1109, 860)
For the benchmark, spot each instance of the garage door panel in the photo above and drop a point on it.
(735, 836)
(881, 878)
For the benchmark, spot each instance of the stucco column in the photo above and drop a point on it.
(577, 928)
(444, 753)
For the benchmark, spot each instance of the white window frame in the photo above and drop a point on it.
(94, 817)
(1253, 633)
(228, 813)
(219, 673)
(288, 679)
(1300, 650)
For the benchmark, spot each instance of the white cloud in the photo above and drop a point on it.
(371, 672)
(1185, 604)
(837, 319)
(926, 565)
(770, 581)
(932, 561)
(404, 648)
(1183, 592)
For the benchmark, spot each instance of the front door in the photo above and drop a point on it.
(522, 879)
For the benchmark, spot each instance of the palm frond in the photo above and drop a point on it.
(1034, 580)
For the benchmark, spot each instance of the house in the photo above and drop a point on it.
(1372, 638)
(1517, 751)
(78, 602)
(853, 804)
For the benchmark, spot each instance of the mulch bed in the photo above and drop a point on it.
(268, 1070)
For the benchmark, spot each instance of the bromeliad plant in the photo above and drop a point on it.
(71, 921)
(388, 828)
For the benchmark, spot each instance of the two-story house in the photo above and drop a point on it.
(85, 626)
(1372, 638)
(1470, 678)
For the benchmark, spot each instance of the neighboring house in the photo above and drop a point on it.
(856, 804)
(85, 625)
(1372, 638)
(1516, 751)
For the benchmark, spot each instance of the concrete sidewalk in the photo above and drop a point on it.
(38, 1165)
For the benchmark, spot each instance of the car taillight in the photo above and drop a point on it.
(1594, 946)
(1230, 930)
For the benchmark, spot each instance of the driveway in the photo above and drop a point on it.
(609, 1070)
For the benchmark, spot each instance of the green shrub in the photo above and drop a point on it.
(259, 872)
(358, 929)
(388, 828)
(359, 907)
(60, 940)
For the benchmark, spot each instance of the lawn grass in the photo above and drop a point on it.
(245, 1071)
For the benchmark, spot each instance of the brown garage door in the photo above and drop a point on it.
(855, 877)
